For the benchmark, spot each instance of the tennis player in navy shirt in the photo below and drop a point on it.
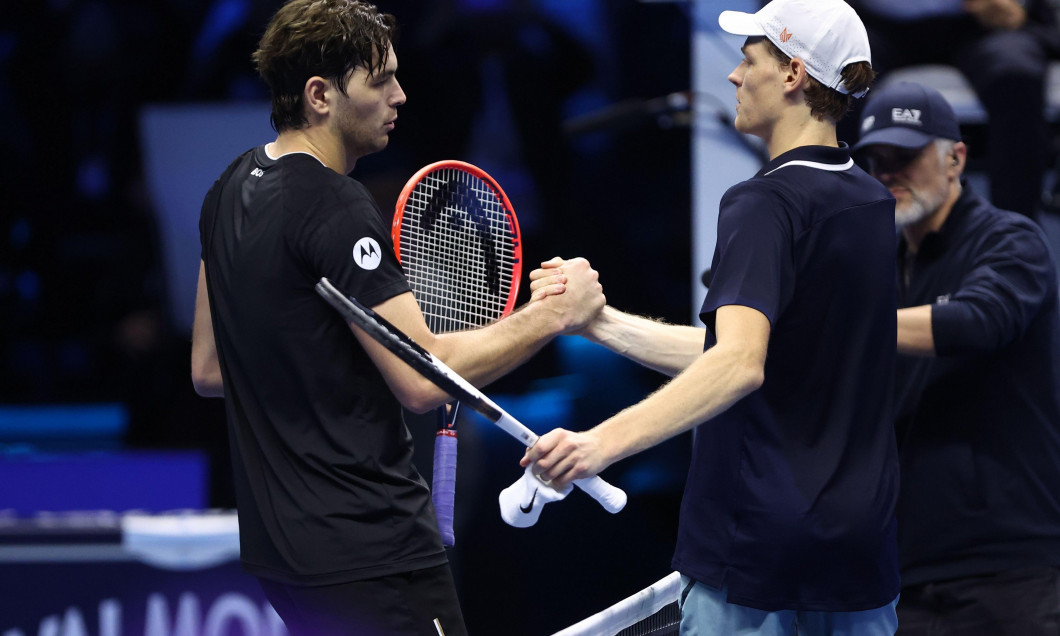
(788, 516)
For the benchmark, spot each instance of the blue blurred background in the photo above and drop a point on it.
(118, 114)
(115, 495)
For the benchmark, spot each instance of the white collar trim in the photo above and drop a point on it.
(832, 167)
(293, 152)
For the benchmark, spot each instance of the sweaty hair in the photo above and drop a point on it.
(325, 38)
(825, 102)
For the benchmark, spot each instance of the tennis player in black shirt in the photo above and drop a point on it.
(334, 519)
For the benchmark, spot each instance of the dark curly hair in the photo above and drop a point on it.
(326, 38)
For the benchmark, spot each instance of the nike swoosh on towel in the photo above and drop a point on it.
(530, 506)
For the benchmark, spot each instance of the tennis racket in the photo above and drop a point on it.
(457, 238)
(610, 497)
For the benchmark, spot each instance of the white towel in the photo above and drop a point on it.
(521, 502)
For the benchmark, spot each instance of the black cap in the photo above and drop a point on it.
(907, 115)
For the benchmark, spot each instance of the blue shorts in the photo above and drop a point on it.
(705, 612)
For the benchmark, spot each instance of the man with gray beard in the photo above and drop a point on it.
(977, 385)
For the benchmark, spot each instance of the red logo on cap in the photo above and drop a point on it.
(784, 35)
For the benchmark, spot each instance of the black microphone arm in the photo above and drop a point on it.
(629, 113)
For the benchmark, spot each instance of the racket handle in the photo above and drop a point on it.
(612, 498)
(443, 485)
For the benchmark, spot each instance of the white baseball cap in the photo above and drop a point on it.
(826, 34)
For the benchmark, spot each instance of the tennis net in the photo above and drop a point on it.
(652, 611)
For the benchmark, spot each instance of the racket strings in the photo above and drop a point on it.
(458, 248)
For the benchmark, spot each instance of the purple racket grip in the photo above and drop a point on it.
(443, 487)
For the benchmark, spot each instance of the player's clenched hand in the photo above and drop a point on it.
(561, 456)
(548, 280)
(582, 298)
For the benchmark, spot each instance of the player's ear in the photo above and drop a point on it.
(315, 95)
(796, 76)
(958, 157)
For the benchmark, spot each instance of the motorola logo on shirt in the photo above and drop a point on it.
(366, 253)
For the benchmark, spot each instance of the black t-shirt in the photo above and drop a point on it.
(325, 485)
(790, 497)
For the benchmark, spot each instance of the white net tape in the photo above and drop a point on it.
(651, 611)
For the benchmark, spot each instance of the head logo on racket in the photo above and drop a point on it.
(456, 197)
(457, 239)
(366, 253)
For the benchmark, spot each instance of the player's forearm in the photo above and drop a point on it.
(478, 355)
(715, 381)
(484, 355)
(915, 335)
(668, 349)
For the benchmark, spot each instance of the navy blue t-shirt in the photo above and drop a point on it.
(790, 499)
